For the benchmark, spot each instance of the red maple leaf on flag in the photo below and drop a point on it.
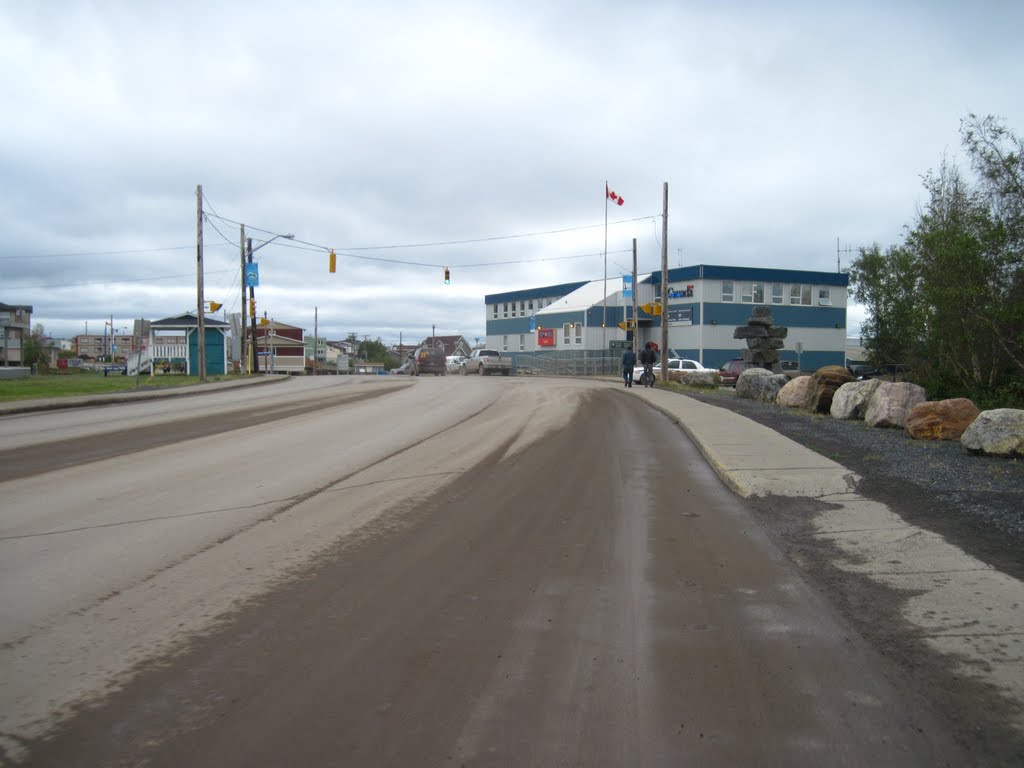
(612, 196)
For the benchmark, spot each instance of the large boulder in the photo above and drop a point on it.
(824, 383)
(892, 402)
(795, 393)
(999, 432)
(760, 384)
(942, 419)
(851, 400)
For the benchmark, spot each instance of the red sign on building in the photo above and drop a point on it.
(545, 337)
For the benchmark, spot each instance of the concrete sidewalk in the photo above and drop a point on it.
(751, 459)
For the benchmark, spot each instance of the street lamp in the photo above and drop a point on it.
(247, 258)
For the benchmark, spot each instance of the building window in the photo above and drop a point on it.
(777, 293)
(794, 294)
(522, 342)
(727, 290)
(522, 308)
(504, 343)
(824, 297)
(758, 290)
(567, 333)
(805, 295)
(495, 311)
(579, 333)
(530, 305)
(505, 308)
(746, 293)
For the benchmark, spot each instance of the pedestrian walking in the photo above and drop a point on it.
(628, 363)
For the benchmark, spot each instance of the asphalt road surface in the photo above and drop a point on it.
(446, 571)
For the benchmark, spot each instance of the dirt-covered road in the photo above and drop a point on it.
(464, 571)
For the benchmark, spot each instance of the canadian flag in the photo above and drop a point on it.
(612, 196)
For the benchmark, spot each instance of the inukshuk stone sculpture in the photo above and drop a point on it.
(764, 339)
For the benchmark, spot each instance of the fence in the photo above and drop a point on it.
(581, 363)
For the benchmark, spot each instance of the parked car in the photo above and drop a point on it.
(454, 363)
(487, 361)
(431, 360)
(674, 364)
(731, 370)
(408, 368)
(682, 364)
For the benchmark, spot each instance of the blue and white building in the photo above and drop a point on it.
(705, 303)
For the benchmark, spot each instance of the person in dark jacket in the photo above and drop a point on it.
(628, 363)
(648, 357)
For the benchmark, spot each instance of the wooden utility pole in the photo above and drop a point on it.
(316, 340)
(664, 284)
(242, 367)
(200, 301)
(254, 358)
(636, 324)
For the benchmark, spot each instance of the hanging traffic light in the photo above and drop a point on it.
(333, 262)
(447, 276)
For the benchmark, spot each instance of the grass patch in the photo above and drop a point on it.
(68, 385)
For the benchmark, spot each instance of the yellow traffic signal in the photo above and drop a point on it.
(333, 262)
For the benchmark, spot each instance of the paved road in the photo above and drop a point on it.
(447, 571)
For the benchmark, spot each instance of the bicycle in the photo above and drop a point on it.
(647, 377)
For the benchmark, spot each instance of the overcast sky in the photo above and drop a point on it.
(479, 135)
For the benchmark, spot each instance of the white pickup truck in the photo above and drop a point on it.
(485, 362)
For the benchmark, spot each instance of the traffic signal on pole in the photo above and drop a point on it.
(447, 276)
(333, 262)
(252, 307)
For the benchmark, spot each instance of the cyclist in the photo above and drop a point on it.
(648, 357)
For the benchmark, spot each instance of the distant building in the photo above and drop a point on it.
(705, 303)
(280, 348)
(96, 346)
(16, 328)
(452, 345)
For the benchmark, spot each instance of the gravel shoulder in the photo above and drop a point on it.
(975, 502)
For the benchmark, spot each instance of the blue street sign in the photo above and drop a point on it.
(627, 286)
(252, 275)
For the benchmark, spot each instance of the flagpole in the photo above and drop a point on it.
(604, 318)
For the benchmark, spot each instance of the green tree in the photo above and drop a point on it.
(958, 248)
(950, 299)
(886, 284)
(32, 351)
(374, 352)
